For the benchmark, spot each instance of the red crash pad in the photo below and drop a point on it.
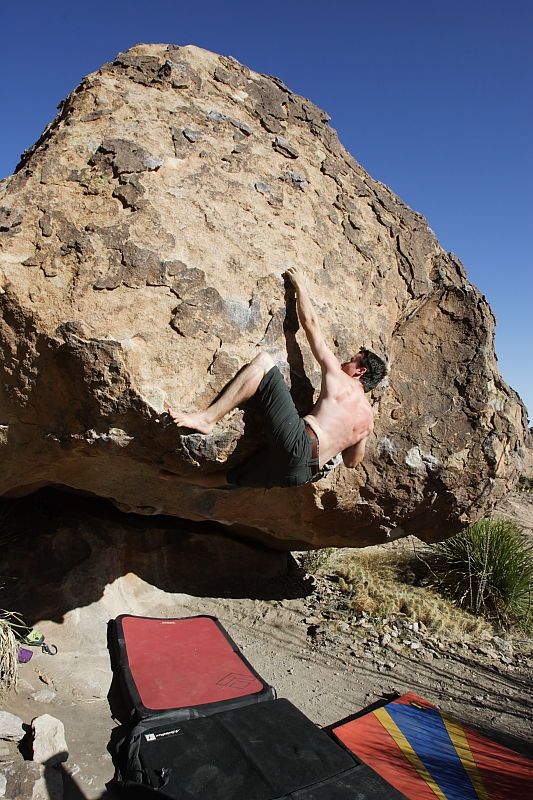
(189, 665)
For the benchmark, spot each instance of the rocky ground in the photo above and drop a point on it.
(296, 630)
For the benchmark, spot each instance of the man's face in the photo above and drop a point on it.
(353, 367)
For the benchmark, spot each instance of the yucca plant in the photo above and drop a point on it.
(488, 569)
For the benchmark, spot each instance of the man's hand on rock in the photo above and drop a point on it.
(296, 277)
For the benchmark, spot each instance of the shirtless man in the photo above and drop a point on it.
(299, 448)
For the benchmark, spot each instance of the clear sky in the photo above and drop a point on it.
(433, 98)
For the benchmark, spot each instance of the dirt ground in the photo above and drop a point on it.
(270, 616)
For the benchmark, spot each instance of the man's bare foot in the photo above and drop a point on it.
(196, 421)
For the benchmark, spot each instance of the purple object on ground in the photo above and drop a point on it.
(24, 655)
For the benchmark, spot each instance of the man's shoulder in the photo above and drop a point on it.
(330, 364)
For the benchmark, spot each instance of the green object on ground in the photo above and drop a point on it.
(34, 638)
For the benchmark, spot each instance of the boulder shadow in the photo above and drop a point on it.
(65, 549)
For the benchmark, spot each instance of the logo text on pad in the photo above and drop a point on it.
(235, 681)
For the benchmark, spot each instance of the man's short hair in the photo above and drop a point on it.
(376, 369)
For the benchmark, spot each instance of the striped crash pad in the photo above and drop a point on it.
(426, 754)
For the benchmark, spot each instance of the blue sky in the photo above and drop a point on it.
(432, 98)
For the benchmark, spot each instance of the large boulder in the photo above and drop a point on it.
(143, 241)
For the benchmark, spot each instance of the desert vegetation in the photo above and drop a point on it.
(488, 569)
(8, 652)
(478, 579)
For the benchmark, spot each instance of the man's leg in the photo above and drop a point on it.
(242, 387)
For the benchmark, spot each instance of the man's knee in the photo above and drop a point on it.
(264, 362)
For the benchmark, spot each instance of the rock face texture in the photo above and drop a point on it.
(142, 244)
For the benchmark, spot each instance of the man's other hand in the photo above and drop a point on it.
(296, 277)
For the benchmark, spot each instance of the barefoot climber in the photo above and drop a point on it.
(299, 448)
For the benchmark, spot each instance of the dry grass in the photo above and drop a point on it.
(8, 659)
(385, 583)
(11, 625)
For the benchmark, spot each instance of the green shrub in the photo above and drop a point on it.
(488, 569)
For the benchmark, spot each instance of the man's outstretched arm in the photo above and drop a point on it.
(310, 322)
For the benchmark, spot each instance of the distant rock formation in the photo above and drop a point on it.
(143, 239)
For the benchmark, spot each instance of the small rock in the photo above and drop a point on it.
(216, 116)
(344, 627)
(242, 126)
(415, 645)
(191, 136)
(506, 660)
(263, 188)
(11, 727)
(49, 744)
(281, 145)
(502, 644)
(385, 639)
(313, 620)
(297, 180)
(3, 785)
